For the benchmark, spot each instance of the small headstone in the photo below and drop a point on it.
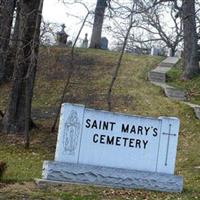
(69, 43)
(85, 42)
(62, 36)
(178, 54)
(155, 51)
(117, 150)
(169, 53)
(104, 43)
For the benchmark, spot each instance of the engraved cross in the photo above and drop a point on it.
(168, 142)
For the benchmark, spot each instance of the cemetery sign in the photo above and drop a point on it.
(113, 149)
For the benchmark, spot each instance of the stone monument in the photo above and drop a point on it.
(116, 150)
(85, 42)
(62, 36)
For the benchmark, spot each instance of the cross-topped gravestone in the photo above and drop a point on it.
(114, 149)
(62, 36)
(63, 27)
(85, 41)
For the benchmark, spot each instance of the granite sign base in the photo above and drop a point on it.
(60, 173)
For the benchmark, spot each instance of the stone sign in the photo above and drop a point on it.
(127, 151)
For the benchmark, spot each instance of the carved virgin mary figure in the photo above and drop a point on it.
(71, 133)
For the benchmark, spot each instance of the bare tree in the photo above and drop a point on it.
(48, 32)
(187, 12)
(153, 29)
(169, 31)
(72, 67)
(128, 13)
(17, 117)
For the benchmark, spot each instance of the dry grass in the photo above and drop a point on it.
(132, 94)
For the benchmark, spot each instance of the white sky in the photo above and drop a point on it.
(55, 11)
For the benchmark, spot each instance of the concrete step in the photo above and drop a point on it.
(158, 74)
(195, 107)
(157, 77)
(162, 85)
(171, 60)
(197, 111)
(175, 93)
(163, 64)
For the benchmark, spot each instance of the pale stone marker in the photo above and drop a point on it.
(155, 51)
(178, 54)
(112, 149)
(104, 43)
(169, 53)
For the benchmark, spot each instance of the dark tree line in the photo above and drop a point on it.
(24, 45)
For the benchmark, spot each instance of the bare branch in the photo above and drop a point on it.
(70, 74)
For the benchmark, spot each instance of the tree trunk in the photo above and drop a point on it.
(98, 23)
(190, 39)
(6, 18)
(11, 56)
(19, 108)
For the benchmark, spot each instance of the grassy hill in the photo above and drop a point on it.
(133, 94)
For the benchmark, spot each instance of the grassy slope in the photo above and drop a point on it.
(132, 94)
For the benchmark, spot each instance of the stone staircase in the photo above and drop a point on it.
(158, 76)
(159, 73)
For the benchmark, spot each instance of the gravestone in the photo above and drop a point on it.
(178, 54)
(69, 43)
(169, 53)
(104, 43)
(85, 42)
(155, 51)
(113, 149)
(62, 36)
